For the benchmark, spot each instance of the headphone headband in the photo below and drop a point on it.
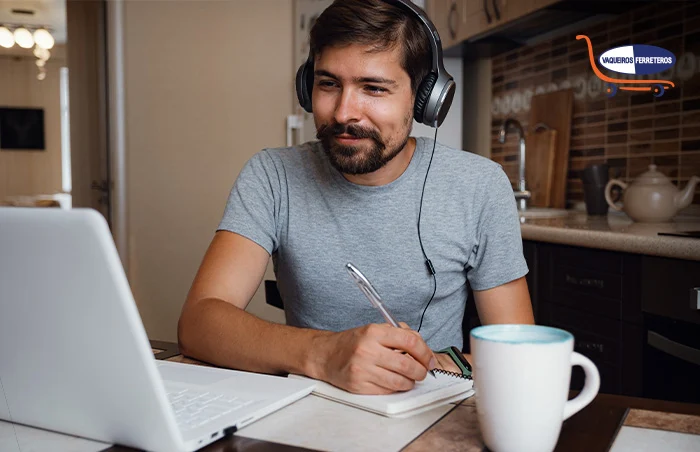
(435, 92)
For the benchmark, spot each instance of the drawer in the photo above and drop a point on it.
(577, 321)
(588, 258)
(668, 287)
(594, 338)
(586, 290)
(596, 348)
(587, 282)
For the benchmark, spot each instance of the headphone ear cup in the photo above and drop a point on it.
(422, 97)
(304, 85)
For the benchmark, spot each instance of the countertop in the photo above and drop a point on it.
(616, 232)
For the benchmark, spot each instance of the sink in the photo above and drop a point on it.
(542, 212)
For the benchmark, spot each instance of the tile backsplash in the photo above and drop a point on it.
(629, 130)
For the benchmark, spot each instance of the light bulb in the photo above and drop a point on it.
(7, 40)
(43, 38)
(42, 54)
(23, 38)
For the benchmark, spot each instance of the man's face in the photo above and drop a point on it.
(362, 105)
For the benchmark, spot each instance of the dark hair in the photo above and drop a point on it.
(379, 24)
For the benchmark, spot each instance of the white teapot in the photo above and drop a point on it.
(652, 198)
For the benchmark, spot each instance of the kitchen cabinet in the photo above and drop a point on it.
(668, 286)
(504, 11)
(531, 257)
(461, 20)
(446, 16)
(671, 335)
(458, 20)
(595, 295)
(635, 316)
(478, 17)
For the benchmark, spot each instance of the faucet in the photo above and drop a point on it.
(522, 195)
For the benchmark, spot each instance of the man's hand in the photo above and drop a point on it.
(369, 359)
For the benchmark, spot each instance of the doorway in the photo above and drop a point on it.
(53, 104)
(35, 166)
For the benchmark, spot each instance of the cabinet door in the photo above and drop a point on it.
(496, 13)
(507, 10)
(601, 282)
(477, 16)
(445, 15)
(530, 253)
(597, 339)
(460, 20)
(670, 288)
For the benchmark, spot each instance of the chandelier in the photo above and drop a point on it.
(40, 39)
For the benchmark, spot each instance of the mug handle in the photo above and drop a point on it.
(608, 192)
(590, 387)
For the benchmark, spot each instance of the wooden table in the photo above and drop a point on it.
(590, 430)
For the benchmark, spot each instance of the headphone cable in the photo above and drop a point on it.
(428, 263)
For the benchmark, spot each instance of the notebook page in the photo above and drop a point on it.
(430, 390)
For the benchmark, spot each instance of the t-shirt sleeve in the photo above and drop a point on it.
(498, 256)
(253, 203)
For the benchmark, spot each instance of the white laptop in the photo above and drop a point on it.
(74, 355)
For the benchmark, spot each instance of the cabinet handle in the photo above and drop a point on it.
(598, 283)
(695, 298)
(496, 11)
(680, 351)
(452, 15)
(486, 11)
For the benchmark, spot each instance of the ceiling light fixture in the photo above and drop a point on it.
(23, 38)
(7, 39)
(43, 39)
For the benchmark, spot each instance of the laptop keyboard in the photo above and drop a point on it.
(196, 408)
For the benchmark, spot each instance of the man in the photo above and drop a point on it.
(359, 195)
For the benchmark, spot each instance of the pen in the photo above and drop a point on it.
(373, 297)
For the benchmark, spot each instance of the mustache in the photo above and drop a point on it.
(326, 131)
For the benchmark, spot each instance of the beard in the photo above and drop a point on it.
(355, 159)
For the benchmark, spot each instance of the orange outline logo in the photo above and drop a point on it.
(656, 87)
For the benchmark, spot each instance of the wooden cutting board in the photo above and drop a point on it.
(555, 110)
(539, 166)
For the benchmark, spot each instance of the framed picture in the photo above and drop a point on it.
(22, 129)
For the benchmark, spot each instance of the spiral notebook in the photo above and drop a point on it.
(432, 392)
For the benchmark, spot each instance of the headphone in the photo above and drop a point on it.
(435, 92)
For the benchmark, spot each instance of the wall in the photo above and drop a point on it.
(476, 102)
(32, 172)
(208, 84)
(450, 132)
(629, 131)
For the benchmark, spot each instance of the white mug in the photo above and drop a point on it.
(521, 382)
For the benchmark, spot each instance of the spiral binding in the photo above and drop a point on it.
(452, 374)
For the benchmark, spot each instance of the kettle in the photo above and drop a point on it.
(652, 198)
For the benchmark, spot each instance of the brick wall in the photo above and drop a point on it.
(630, 130)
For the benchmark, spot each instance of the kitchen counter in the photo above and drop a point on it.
(616, 232)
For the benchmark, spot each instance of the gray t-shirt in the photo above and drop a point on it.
(313, 221)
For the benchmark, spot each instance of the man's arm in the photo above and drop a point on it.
(214, 327)
(508, 303)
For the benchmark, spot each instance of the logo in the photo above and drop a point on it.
(635, 60)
